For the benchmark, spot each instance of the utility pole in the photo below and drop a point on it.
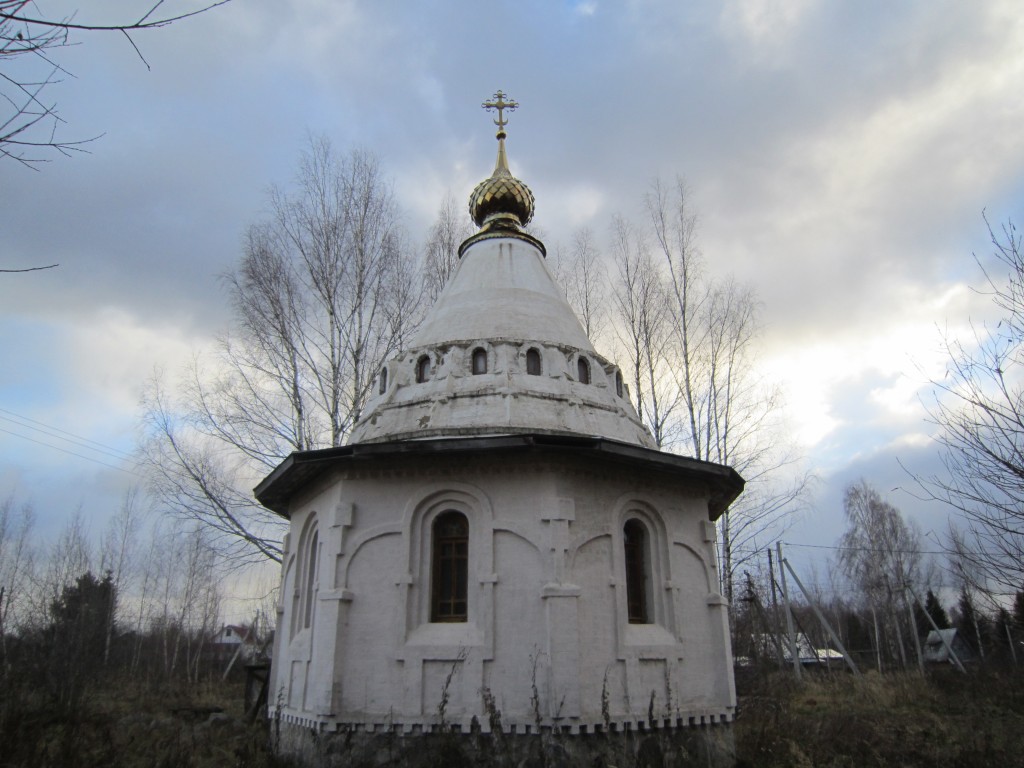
(794, 651)
(755, 601)
(784, 566)
(878, 639)
(896, 624)
(777, 627)
(913, 631)
(949, 648)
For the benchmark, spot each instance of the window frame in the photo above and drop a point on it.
(423, 369)
(311, 578)
(534, 362)
(434, 499)
(479, 355)
(306, 574)
(636, 540)
(449, 568)
(582, 370)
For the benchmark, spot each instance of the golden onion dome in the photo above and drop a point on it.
(501, 201)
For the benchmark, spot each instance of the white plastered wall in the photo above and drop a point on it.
(547, 631)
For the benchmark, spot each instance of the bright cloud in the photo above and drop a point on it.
(768, 24)
(904, 357)
(112, 353)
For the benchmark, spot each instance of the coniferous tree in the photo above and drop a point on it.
(972, 624)
(933, 608)
(1002, 632)
(77, 637)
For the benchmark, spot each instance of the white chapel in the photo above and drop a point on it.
(500, 545)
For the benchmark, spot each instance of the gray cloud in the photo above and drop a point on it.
(839, 155)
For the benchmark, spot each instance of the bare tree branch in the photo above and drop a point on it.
(322, 297)
(979, 410)
(727, 414)
(29, 125)
(30, 269)
(66, 24)
(441, 253)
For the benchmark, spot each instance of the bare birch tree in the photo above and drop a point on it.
(644, 331)
(323, 294)
(17, 561)
(730, 413)
(119, 542)
(184, 598)
(441, 252)
(979, 410)
(880, 553)
(585, 280)
(69, 557)
(973, 576)
(196, 477)
(690, 343)
(118, 555)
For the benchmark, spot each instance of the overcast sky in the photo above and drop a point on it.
(840, 155)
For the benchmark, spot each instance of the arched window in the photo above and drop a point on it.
(618, 383)
(479, 361)
(533, 362)
(638, 572)
(583, 370)
(423, 369)
(450, 568)
(383, 380)
(310, 581)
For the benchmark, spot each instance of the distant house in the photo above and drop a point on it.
(227, 641)
(764, 645)
(935, 651)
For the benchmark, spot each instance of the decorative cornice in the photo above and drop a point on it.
(294, 473)
(508, 234)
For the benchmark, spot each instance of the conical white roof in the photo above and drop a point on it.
(501, 351)
(502, 289)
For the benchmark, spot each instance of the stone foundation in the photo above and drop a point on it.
(707, 746)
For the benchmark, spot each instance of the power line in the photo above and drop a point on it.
(867, 549)
(72, 453)
(56, 432)
(853, 590)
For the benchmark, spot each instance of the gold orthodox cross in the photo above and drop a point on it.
(498, 102)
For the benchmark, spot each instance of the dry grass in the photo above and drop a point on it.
(945, 719)
(123, 726)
